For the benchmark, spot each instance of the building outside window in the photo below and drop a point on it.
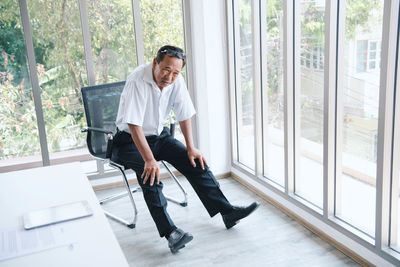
(368, 54)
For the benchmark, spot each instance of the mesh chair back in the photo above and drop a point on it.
(101, 107)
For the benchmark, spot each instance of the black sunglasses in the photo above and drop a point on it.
(173, 53)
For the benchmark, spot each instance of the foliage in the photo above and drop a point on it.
(162, 23)
(246, 61)
(113, 39)
(18, 126)
(312, 25)
(61, 67)
(358, 13)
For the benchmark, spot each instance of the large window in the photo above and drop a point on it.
(75, 44)
(273, 117)
(244, 88)
(18, 127)
(330, 117)
(309, 102)
(357, 126)
(61, 70)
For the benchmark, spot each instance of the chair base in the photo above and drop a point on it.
(129, 192)
(119, 219)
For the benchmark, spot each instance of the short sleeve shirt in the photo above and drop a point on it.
(142, 103)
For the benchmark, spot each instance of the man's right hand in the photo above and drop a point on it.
(151, 167)
(152, 171)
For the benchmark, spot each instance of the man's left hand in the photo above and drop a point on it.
(193, 154)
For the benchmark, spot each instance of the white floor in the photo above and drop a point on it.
(266, 238)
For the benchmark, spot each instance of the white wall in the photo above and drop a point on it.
(209, 51)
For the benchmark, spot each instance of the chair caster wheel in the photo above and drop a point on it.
(183, 204)
(131, 225)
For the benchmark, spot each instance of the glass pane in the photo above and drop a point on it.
(358, 121)
(372, 55)
(58, 44)
(362, 56)
(273, 133)
(18, 128)
(309, 171)
(113, 39)
(372, 46)
(372, 65)
(244, 90)
(362, 67)
(362, 45)
(162, 23)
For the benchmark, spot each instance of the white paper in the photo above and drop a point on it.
(15, 242)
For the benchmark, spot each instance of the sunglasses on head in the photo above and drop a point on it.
(173, 53)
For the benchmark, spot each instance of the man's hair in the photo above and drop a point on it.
(171, 51)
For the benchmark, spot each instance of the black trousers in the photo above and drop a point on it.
(165, 147)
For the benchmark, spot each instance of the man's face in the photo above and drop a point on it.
(166, 72)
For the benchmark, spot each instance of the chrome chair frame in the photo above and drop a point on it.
(106, 157)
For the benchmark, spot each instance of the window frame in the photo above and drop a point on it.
(334, 18)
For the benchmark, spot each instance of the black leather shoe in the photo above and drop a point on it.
(238, 213)
(177, 240)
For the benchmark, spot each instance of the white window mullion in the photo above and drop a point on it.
(190, 77)
(238, 86)
(137, 19)
(34, 81)
(264, 86)
(385, 122)
(230, 16)
(396, 160)
(340, 87)
(288, 83)
(87, 47)
(296, 90)
(256, 21)
(331, 10)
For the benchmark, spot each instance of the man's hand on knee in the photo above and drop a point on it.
(152, 171)
(193, 154)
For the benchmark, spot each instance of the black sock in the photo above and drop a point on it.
(168, 234)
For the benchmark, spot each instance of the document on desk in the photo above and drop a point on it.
(19, 242)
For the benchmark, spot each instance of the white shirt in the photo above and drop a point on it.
(142, 103)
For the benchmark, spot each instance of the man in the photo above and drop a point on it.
(150, 92)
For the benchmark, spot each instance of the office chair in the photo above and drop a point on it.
(101, 107)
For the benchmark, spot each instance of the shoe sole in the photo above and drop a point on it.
(229, 226)
(181, 243)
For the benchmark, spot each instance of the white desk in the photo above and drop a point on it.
(28, 190)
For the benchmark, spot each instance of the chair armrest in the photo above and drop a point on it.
(94, 129)
(172, 129)
(110, 137)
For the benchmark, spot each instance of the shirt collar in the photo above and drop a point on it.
(148, 73)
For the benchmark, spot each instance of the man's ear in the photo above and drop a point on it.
(155, 62)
